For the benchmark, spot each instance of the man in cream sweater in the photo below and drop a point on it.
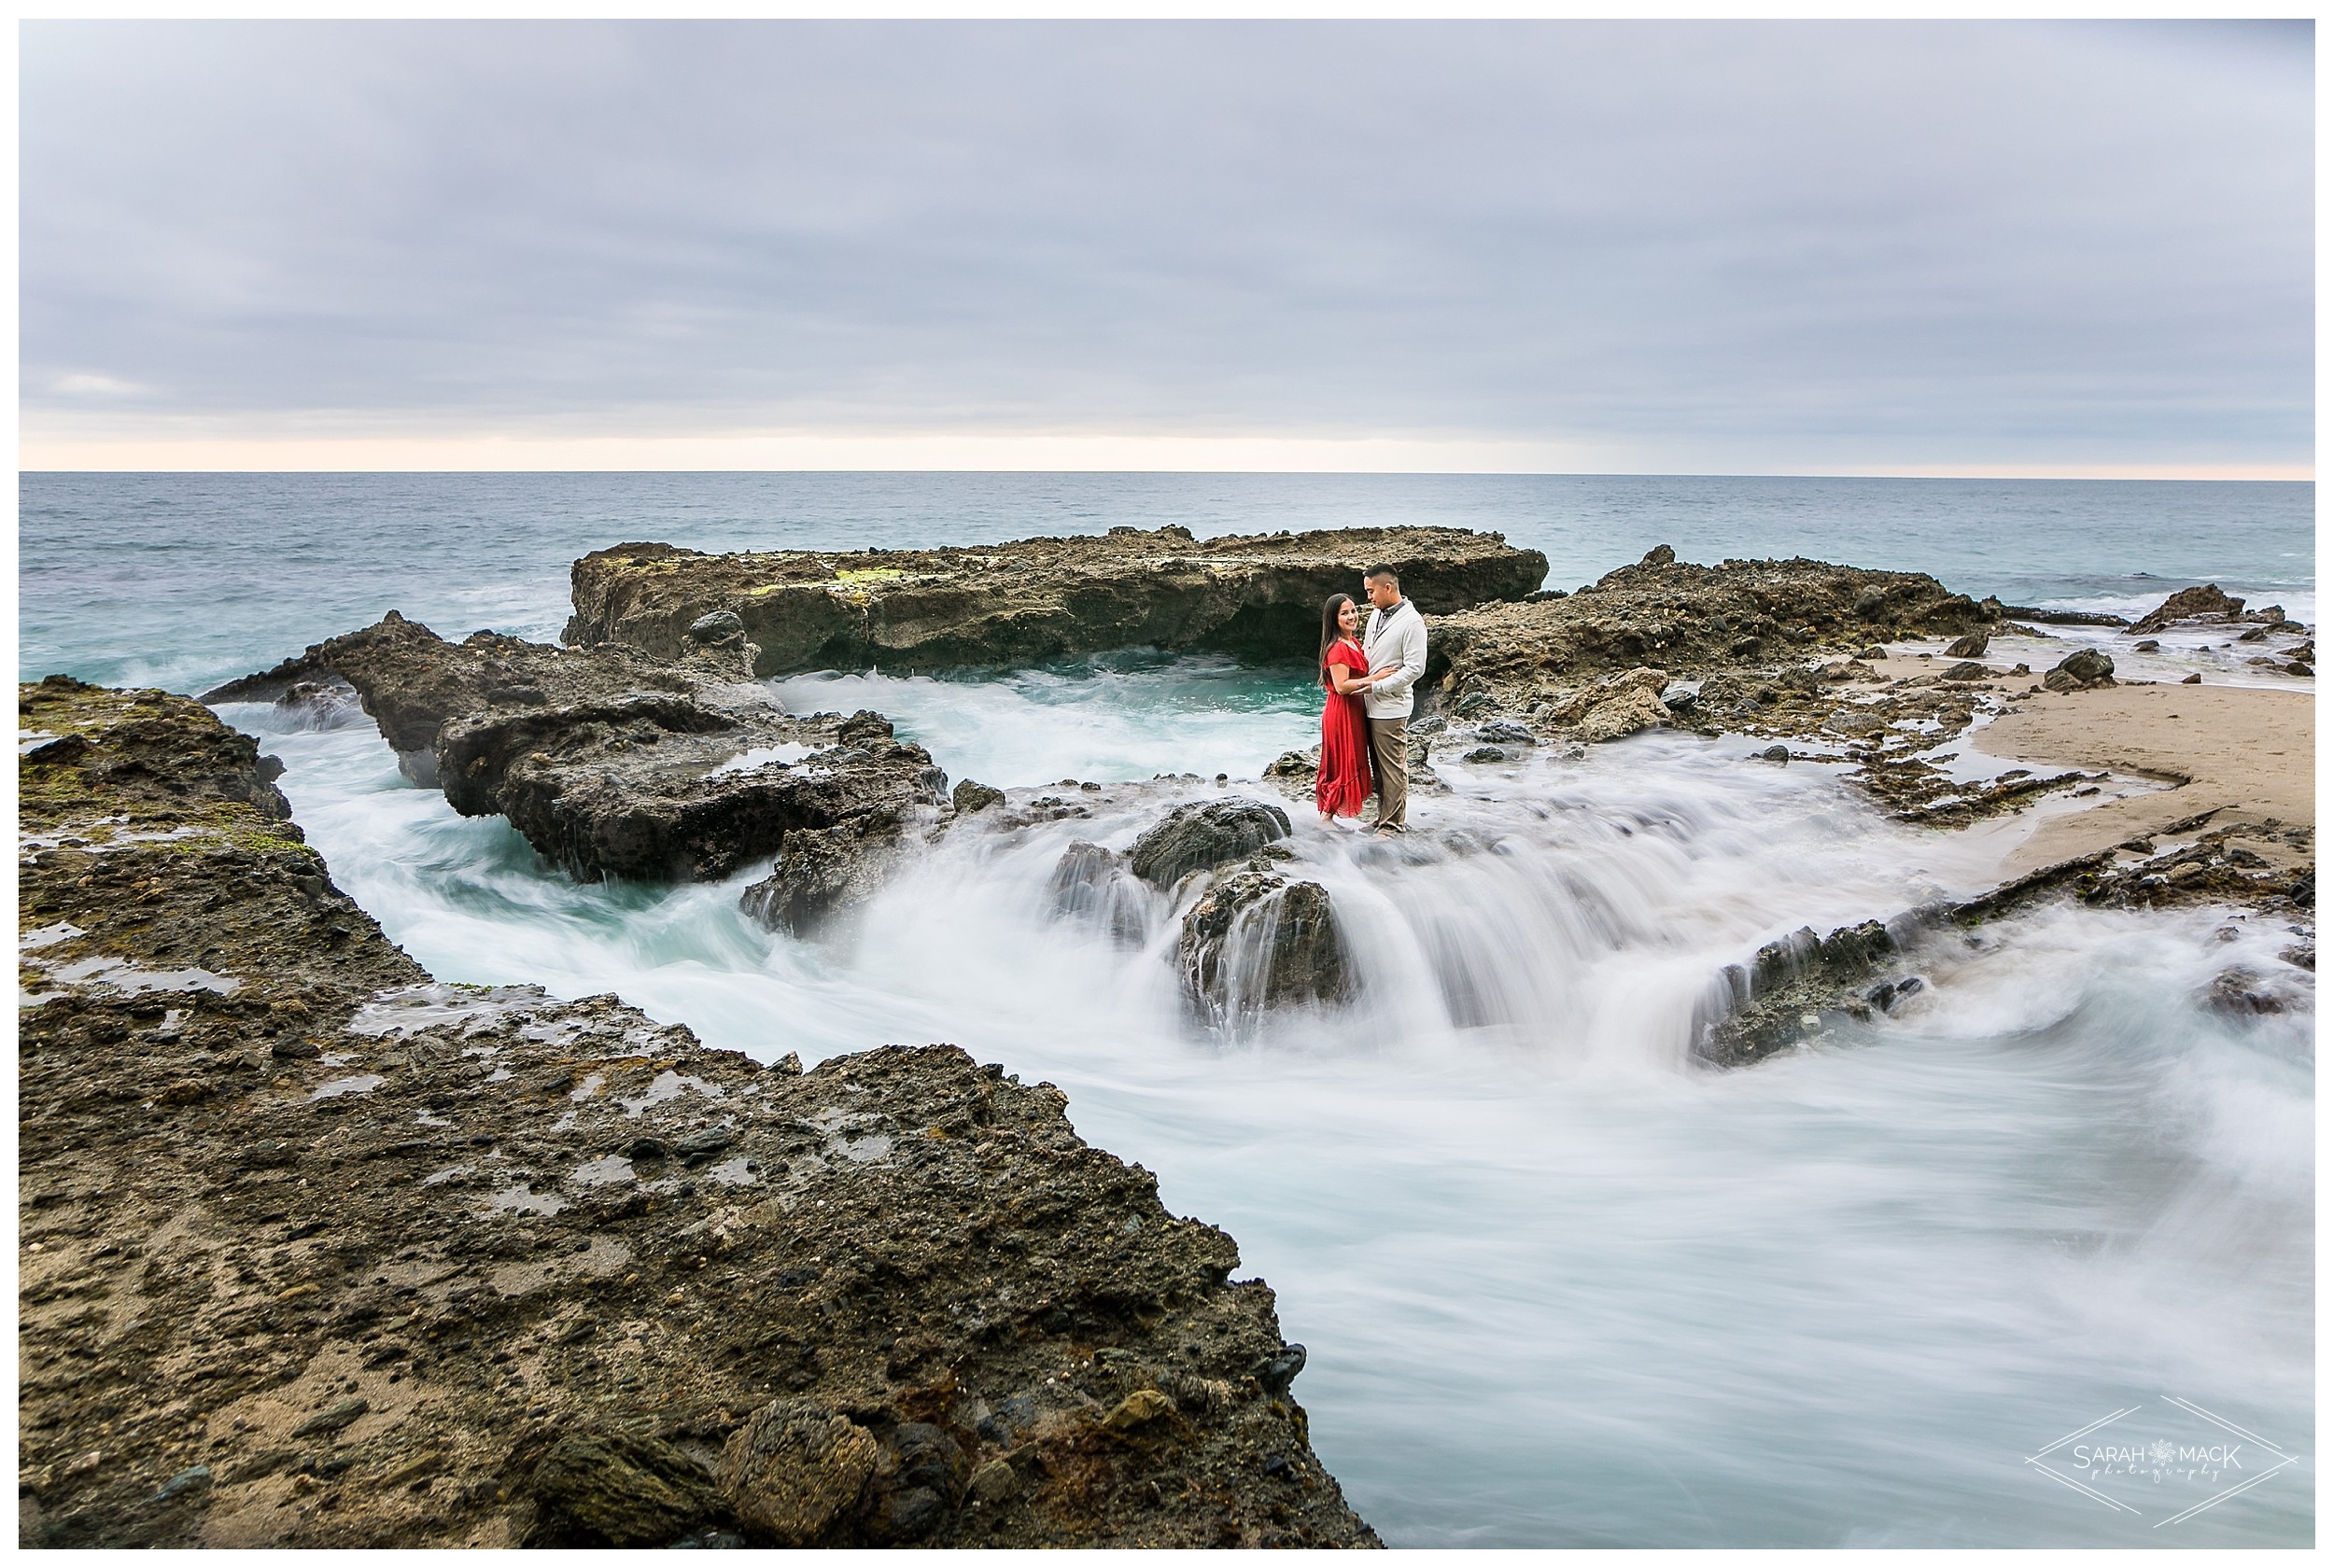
(1395, 641)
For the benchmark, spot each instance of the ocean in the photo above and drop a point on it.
(1559, 1287)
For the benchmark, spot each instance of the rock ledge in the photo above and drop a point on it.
(316, 1251)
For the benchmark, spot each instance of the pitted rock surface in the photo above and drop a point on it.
(1202, 836)
(1687, 619)
(1030, 600)
(613, 764)
(314, 1251)
(1257, 941)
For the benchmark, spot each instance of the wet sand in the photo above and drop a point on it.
(2246, 753)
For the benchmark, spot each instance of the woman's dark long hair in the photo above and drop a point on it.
(1331, 632)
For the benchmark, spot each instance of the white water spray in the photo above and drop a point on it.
(1560, 1286)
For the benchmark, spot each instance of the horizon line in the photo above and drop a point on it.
(1016, 452)
(2117, 475)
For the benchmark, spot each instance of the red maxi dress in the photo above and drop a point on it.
(1343, 783)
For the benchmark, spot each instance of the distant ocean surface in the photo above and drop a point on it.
(1559, 1287)
(183, 579)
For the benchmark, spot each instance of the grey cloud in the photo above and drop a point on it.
(1865, 241)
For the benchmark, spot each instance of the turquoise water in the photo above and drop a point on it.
(185, 580)
(1559, 1287)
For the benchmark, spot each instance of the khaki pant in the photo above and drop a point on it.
(1389, 768)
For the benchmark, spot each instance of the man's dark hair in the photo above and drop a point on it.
(1387, 572)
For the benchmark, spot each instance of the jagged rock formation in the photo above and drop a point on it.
(1256, 941)
(1798, 986)
(413, 682)
(1688, 619)
(316, 1252)
(2083, 668)
(2190, 604)
(1202, 836)
(1251, 938)
(823, 870)
(613, 763)
(1617, 705)
(1027, 601)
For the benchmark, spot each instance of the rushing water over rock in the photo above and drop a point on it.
(1560, 1284)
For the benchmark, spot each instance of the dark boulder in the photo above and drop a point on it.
(1257, 941)
(2079, 670)
(1970, 647)
(719, 627)
(601, 1489)
(1295, 765)
(821, 871)
(919, 1479)
(2190, 604)
(795, 1473)
(2243, 993)
(1203, 836)
(971, 795)
(613, 763)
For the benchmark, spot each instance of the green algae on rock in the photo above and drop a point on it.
(1027, 601)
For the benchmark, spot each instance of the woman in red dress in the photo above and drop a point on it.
(1343, 782)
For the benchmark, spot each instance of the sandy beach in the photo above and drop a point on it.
(2246, 753)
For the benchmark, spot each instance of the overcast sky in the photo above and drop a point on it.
(1819, 248)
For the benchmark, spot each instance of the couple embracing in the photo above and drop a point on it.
(1369, 670)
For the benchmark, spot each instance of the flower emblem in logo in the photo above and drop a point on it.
(2207, 1451)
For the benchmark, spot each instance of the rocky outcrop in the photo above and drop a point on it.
(2079, 671)
(1202, 836)
(635, 789)
(1690, 620)
(1799, 988)
(1253, 937)
(413, 682)
(1027, 601)
(613, 763)
(1778, 999)
(2205, 603)
(1255, 942)
(823, 872)
(316, 1252)
(2053, 617)
(1617, 705)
